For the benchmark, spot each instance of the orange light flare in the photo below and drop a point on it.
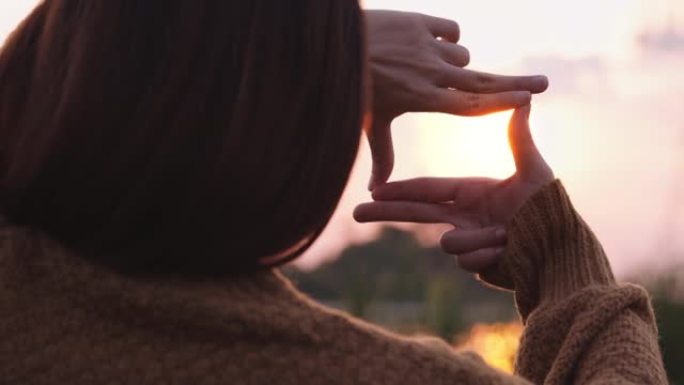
(496, 343)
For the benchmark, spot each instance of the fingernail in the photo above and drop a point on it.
(540, 83)
(500, 233)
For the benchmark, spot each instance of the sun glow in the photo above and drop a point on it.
(497, 344)
(465, 147)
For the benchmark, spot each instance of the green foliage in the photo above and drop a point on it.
(441, 300)
(403, 285)
(670, 314)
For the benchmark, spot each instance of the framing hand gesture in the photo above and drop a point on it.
(416, 65)
(478, 208)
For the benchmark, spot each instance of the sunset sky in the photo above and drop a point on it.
(611, 124)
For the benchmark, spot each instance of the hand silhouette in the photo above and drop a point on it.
(478, 208)
(416, 66)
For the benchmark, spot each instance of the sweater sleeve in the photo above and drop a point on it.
(581, 326)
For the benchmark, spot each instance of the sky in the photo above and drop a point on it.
(611, 125)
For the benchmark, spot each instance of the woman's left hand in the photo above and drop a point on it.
(478, 208)
(416, 65)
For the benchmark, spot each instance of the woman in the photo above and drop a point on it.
(160, 159)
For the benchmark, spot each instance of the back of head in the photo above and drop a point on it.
(187, 137)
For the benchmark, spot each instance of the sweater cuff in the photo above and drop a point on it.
(551, 251)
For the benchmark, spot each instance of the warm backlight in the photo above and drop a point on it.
(496, 343)
(452, 146)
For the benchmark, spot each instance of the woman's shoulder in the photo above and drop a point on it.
(379, 356)
(64, 317)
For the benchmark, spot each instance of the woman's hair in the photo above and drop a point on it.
(191, 137)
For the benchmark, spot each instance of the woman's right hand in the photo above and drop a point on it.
(478, 208)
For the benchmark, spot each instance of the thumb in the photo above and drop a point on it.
(382, 150)
(528, 160)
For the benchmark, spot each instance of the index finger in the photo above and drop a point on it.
(444, 28)
(400, 211)
(434, 190)
(485, 83)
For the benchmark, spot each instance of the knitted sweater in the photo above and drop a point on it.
(66, 321)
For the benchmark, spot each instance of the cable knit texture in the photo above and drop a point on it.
(66, 321)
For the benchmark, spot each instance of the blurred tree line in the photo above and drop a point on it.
(396, 282)
(669, 309)
(401, 284)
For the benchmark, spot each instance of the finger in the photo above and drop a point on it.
(461, 241)
(484, 83)
(435, 190)
(454, 54)
(414, 212)
(525, 153)
(444, 28)
(382, 150)
(470, 104)
(480, 260)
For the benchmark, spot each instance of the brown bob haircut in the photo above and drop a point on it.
(182, 137)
